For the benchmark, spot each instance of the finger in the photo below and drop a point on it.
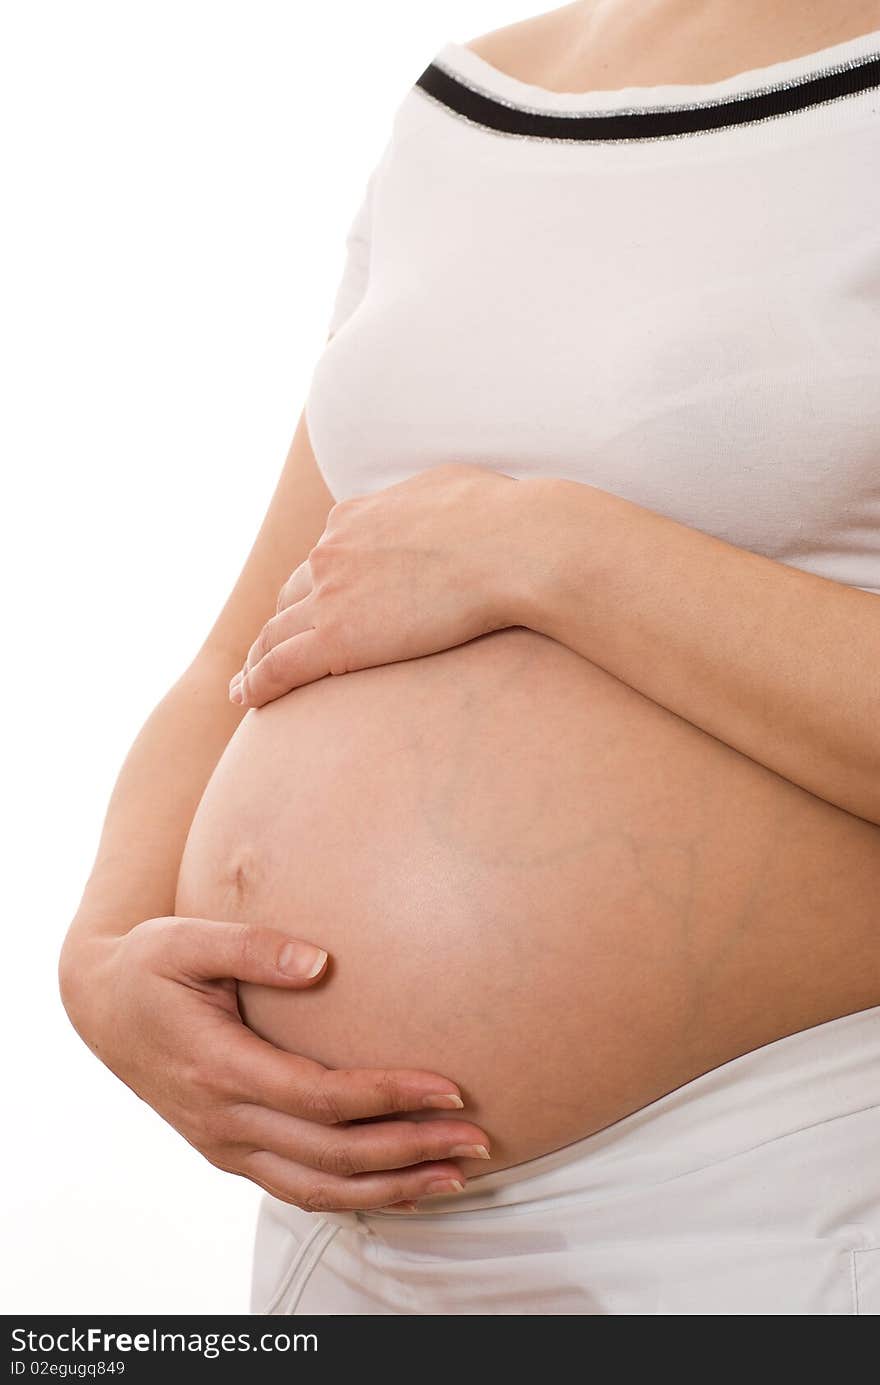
(293, 620)
(263, 1075)
(296, 589)
(205, 950)
(365, 1191)
(352, 1149)
(288, 665)
(297, 586)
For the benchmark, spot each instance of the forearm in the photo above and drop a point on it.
(134, 876)
(779, 663)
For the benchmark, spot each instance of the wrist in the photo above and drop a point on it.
(555, 546)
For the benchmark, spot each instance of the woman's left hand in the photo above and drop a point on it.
(410, 570)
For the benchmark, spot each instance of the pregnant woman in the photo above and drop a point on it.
(512, 916)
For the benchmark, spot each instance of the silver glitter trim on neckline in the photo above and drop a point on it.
(731, 98)
(627, 139)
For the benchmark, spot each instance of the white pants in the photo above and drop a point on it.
(754, 1189)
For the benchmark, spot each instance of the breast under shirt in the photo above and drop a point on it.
(670, 292)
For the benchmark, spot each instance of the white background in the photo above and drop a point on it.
(176, 180)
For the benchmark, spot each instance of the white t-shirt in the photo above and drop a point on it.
(670, 292)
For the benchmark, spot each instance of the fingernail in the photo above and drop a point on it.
(469, 1152)
(402, 1207)
(301, 959)
(448, 1101)
(235, 693)
(445, 1185)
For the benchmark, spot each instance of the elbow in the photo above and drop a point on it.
(68, 978)
(74, 985)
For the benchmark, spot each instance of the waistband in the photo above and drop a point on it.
(783, 1088)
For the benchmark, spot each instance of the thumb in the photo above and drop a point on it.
(205, 950)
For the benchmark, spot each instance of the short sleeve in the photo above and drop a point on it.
(353, 284)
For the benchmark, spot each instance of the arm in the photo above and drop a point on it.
(152, 994)
(134, 876)
(778, 663)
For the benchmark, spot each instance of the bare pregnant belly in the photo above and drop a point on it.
(532, 880)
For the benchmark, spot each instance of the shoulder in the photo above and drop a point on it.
(528, 44)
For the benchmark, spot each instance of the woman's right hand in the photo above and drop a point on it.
(159, 1006)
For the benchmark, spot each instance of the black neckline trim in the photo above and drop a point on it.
(505, 117)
